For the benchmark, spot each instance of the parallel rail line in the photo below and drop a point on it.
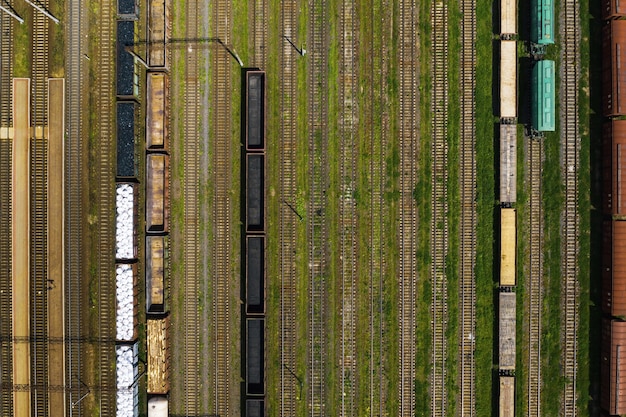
(534, 286)
(467, 242)
(287, 224)
(317, 233)
(222, 211)
(191, 343)
(39, 210)
(259, 40)
(439, 206)
(106, 230)
(6, 75)
(73, 194)
(348, 212)
(408, 138)
(570, 145)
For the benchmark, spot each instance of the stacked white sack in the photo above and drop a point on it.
(125, 377)
(125, 302)
(125, 222)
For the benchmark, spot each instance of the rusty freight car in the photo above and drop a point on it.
(613, 366)
(157, 192)
(255, 193)
(613, 75)
(614, 268)
(612, 9)
(156, 111)
(156, 257)
(158, 33)
(614, 167)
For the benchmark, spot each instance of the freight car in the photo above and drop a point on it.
(127, 154)
(508, 247)
(613, 64)
(157, 406)
(126, 302)
(127, 10)
(158, 33)
(542, 22)
(614, 268)
(613, 366)
(508, 18)
(506, 333)
(507, 396)
(157, 193)
(508, 79)
(508, 164)
(255, 275)
(255, 357)
(614, 167)
(158, 356)
(156, 111)
(543, 90)
(255, 408)
(255, 193)
(127, 213)
(156, 257)
(254, 110)
(127, 71)
(612, 9)
(127, 370)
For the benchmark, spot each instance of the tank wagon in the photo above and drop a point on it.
(542, 24)
(543, 89)
(157, 193)
(614, 61)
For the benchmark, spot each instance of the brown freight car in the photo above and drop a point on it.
(157, 193)
(613, 75)
(614, 268)
(614, 167)
(159, 30)
(156, 111)
(158, 356)
(156, 257)
(612, 9)
(613, 366)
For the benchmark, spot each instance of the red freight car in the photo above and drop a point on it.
(614, 167)
(613, 366)
(613, 75)
(614, 268)
(612, 9)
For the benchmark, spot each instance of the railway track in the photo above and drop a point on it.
(287, 224)
(467, 241)
(6, 75)
(191, 342)
(318, 180)
(439, 207)
(39, 210)
(73, 195)
(106, 230)
(222, 210)
(534, 286)
(259, 39)
(347, 207)
(408, 138)
(570, 145)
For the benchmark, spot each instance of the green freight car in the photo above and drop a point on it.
(544, 85)
(542, 22)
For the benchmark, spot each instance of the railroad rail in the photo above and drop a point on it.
(259, 32)
(318, 181)
(73, 194)
(6, 75)
(535, 268)
(467, 241)
(39, 210)
(347, 206)
(287, 224)
(191, 342)
(408, 138)
(570, 145)
(222, 216)
(439, 207)
(106, 229)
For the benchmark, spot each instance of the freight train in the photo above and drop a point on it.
(253, 263)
